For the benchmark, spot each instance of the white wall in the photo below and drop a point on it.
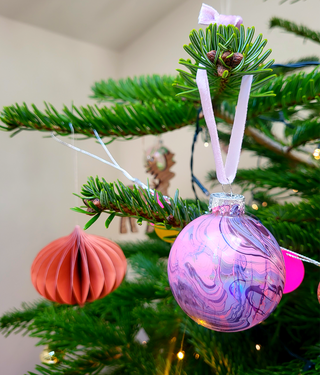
(37, 175)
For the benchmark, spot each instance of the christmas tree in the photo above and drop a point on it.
(101, 337)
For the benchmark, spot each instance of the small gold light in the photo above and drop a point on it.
(255, 206)
(295, 191)
(316, 153)
(206, 144)
(180, 355)
(48, 357)
(174, 339)
(264, 204)
(144, 342)
(258, 347)
(196, 356)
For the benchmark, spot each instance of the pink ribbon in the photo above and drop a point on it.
(227, 173)
(209, 15)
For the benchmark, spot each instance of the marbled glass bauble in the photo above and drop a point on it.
(225, 269)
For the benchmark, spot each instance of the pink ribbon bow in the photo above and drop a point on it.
(209, 15)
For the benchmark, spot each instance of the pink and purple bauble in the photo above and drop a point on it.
(225, 269)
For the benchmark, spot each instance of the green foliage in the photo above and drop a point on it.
(221, 39)
(305, 180)
(155, 247)
(292, 27)
(305, 131)
(133, 90)
(120, 121)
(290, 93)
(101, 196)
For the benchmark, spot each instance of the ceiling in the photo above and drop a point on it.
(112, 24)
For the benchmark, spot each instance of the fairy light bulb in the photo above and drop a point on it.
(48, 357)
(316, 153)
(180, 355)
(206, 144)
(255, 206)
(258, 347)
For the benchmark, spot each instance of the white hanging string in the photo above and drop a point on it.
(225, 6)
(75, 162)
(114, 164)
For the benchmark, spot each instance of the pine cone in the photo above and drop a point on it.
(212, 55)
(227, 61)
(236, 59)
(97, 203)
(221, 69)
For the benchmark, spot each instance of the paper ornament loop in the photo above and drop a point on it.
(78, 268)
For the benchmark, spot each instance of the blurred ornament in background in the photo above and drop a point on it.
(160, 168)
(78, 268)
(155, 154)
(225, 269)
(161, 176)
(167, 235)
(158, 161)
(316, 153)
(48, 357)
(294, 272)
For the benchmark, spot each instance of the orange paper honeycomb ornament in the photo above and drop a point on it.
(78, 268)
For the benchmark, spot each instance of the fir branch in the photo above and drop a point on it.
(305, 180)
(293, 236)
(221, 39)
(290, 91)
(160, 116)
(155, 247)
(305, 131)
(137, 89)
(101, 196)
(19, 320)
(292, 27)
(124, 121)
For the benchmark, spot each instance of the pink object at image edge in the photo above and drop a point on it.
(294, 272)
